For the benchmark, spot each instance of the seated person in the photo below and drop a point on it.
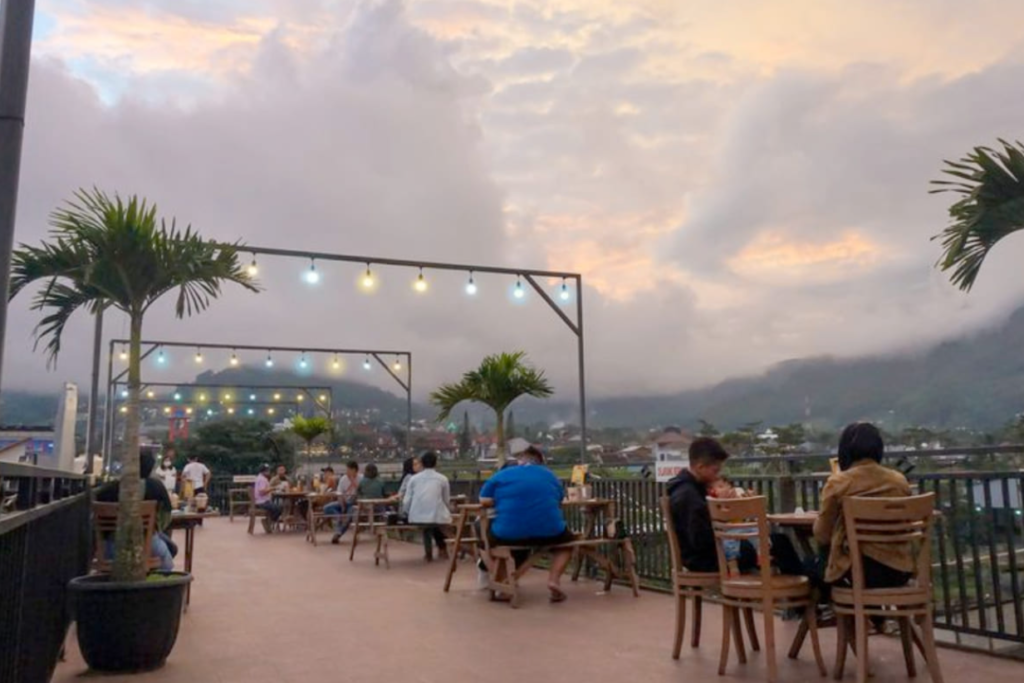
(348, 486)
(161, 545)
(280, 482)
(427, 501)
(861, 474)
(371, 486)
(410, 466)
(263, 497)
(527, 500)
(688, 493)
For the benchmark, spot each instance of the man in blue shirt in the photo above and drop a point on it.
(527, 501)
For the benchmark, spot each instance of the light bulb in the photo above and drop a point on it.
(202, 397)
(312, 276)
(303, 362)
(209, 411)
(253, 270)
(421, 283)
(366, 364)
(199, 357)
(564, 293)
(177, 397)
(519, 292)
(124, 409)
(300, 398)
(471, 285)
(124, 393)
(397, 365)
(234, 358)
(251, 411)
(270, 411)
(188, 411)
(368, 281)
(161, 358)
(277, 397)
(336, 364)
(123, 355)
(323, 397)
(227, 397)
(270, 361)
(231, 411)
(150, 394)
(252, 397)
(167, 411)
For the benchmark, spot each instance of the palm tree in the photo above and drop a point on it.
(991, 185)
(308, 429)
(109, 253)
(499, 381)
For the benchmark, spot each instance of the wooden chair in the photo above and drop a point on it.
(104, 526)
(745, 519)
(317, 519)
(465, 537)
(239, 498)
(888, 521)
(254, 511)
(695, 586)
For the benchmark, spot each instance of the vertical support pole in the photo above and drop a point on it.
(91, 437)
(408, 408)
(15, 52)
(108, 414)
(582, 370)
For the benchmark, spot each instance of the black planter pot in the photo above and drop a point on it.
(127, 626)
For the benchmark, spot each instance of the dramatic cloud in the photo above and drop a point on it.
(739, 183)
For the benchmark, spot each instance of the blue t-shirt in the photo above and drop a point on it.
(528, 502)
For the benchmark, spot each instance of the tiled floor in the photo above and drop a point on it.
(275, 609)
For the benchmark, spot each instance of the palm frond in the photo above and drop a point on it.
(500, 380)
(991, 185)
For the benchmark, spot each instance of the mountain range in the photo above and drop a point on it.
(974, 381)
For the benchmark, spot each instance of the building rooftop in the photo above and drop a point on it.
(274, 609)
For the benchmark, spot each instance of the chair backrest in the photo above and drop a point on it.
(903, 521)
(104, 524)
(741, 519)
(675, 553)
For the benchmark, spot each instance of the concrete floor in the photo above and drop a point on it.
(275, 609)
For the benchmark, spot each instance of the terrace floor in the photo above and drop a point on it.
(275, 609)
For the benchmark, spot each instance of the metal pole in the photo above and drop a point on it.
(15, 51)
(108, 412)
(408, 408)
(91, 437)
(583, 381)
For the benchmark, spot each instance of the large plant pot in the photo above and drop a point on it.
(127, 626)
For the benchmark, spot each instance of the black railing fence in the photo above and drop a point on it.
(44, 543)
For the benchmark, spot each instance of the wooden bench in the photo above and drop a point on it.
(503, 575)
(238, 496)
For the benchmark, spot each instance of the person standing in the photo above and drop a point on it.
(166, 473)
(427, 501)
(197, 473)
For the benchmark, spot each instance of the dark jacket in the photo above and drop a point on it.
(689, 506)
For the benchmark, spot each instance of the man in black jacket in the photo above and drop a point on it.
(688, 493)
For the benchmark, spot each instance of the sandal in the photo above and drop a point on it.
(557, 594)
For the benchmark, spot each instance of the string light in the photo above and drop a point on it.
(270, 361)
(270, 411)
(519, 292)
(209, 411)
(124, 353)
(124, 409)
(564, 293)
(167, 410)
(277, 397)
(366, 364)
(150, 394)
(202, 397)
(300, 398)
(368, 282)
(471, 285)
(227, 397)
(124, 393)
(188, 411)
(336, 363)
(161, 358)
(323, 397)
(397, 365)
(253, 270)
(252, 397)
(421, 283)
(303, 363)
(312, 276)
(231, 411)
(251, 411)
(199, 356)
(234, 358)
(177, 396)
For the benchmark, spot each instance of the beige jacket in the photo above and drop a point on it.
(864, 478)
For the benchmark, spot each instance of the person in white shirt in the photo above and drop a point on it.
(427, 501)
(347, 487)
(197, 473)
(166, 473)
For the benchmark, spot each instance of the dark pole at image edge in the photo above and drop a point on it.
(15, 52)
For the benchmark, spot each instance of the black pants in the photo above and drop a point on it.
(432, 535)
(784, 557)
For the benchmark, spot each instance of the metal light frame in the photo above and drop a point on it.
(528, 274)
(156, 344)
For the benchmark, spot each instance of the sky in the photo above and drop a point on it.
(739, 183)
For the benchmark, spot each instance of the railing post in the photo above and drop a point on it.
(787, 488)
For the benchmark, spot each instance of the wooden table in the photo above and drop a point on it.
(313, 516)
(802, 525)
(291, 499)
(592, 509)
(462, 523)
(188, 521)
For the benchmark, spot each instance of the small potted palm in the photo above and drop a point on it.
(108, 253)
(308, 429)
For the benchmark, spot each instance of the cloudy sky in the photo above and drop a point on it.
(739, 183)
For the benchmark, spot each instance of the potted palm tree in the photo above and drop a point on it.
(105, 253)
(500, 380)
(308, 429)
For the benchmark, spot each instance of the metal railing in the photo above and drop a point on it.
(44, 543)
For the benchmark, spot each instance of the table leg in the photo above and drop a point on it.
(456, 549)
(190, 532)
